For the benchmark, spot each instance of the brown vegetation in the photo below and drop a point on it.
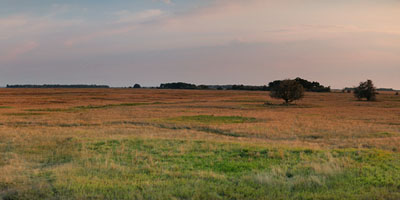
(322, 119)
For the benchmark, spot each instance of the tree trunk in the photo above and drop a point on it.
(286, 101)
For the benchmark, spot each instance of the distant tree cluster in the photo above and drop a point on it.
(307, 85)
(58, 86)
(385, 89)
(292, 90)
(249, 87)
(178, 85)
(181, 85)
(203, 87)
(348, 90)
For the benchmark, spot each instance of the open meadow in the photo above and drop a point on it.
(196, 144)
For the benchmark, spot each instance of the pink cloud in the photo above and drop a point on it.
(125, 16)
(96, 35)
(19, 50)
(13, 21)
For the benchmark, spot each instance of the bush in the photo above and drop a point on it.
(365, 90)
(288, 90)
(203, 87)
(397, 93)
(137, 86)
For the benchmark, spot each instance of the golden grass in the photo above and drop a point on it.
(38, 123)
(334, 120)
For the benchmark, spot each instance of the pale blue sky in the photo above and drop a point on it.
(122, 42)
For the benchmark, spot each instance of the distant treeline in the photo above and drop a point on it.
(379, 89)
(308, 86)
(386, 89)
(58, 86)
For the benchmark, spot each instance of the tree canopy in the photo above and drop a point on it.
(307, 85)
(365, 90)
(288, 90)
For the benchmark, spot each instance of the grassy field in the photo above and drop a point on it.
(178, 144)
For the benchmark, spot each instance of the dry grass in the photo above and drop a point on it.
(46, 133)
(332, 120)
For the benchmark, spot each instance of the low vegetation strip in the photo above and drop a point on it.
(89, 107)
(23, 114)
(5, 107)
(45, 124)
(181, 127)
(112, 105)
(212, 119)
(58, 86)
(183, 169)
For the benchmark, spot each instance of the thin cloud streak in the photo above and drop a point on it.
(250, 21)
(15, 52)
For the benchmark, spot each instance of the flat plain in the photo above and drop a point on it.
(195, 144)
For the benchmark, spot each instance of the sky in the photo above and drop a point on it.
(122, 42)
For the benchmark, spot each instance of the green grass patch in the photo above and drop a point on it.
(24, 114)
(211, 119)
(5, 107)
(108, 106)
(245, 100)
(182, 169)
(50, 110)
(77, 125)
(113, 105)
(383, 135)
(182, 127)
(270, 105)
(179, 169)
(56, 151)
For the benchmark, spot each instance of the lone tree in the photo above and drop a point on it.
(365, 90)
(137, 86)
(288, 90)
